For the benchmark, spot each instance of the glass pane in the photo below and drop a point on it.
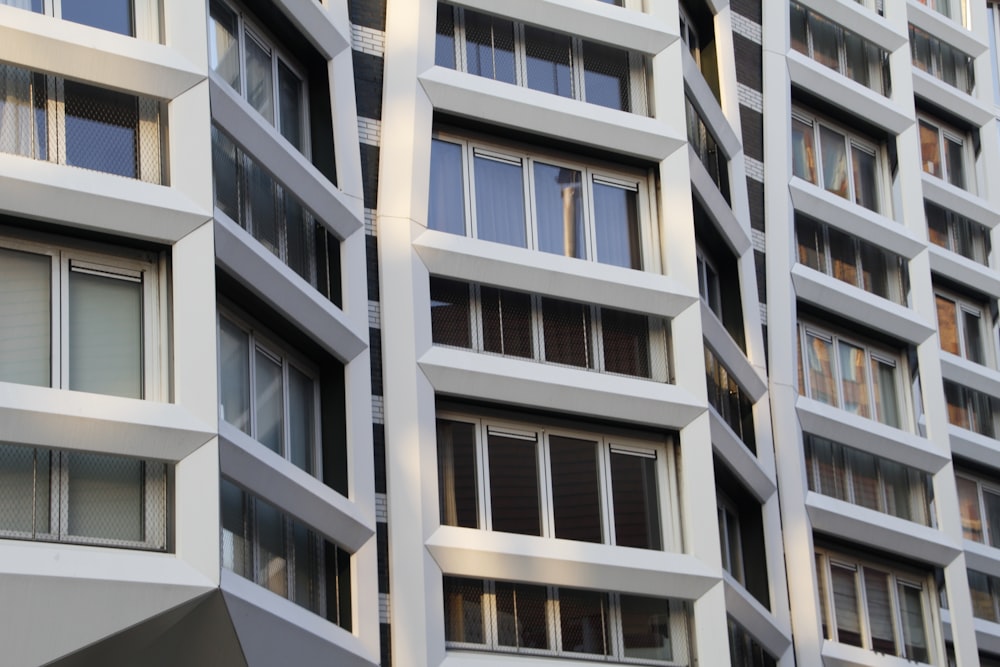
(812, 247)
(845, 605)
(113, 15)
(821, 380)
(826, 471)
(824, 37)
(732, 543)
(606, 76)
(300, 239)
(583, 620)
(921, 50)
(991, 502)
(223, 43)
(549, 57)
(982, 600)
(301, 419)
(444, 44)
(260, 78)
(947, 316)
(968, 503)
(234, 371)
(880, 611)
(576, 498)
(625, 339)
(307, 568)
(875, 271)
(646, 627)
(566, 327)
(958, 411)
(835, 176)
(226, 176)
(22, 127)
(489, 47)
(972, 324)
(31, 5)
(463, 611)
(853, 379)
(911, 611)
(856, 58)
(507, 322)
(105, 334)
(270, 411)
(865, 178)
(290, 105)
(272, 551)
(450, 324)
(522, 619)
(25, 318)
(236, 547)
(956, 162)
(803, 151)
(105, 497)
(101, 129)
(500, 202)
(930, 149)
(864, 479)
(457, 472)
(902, 499)
(24, 490)
(844, 257)
(635, 500)
(263, 207)
(937, 226)
(886, 399)
(447, 194)
(797, 28)
(559, 210)
(616, 226)
(514, 485)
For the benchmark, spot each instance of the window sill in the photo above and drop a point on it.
(957, 101)
(960, 201)
(970, 374)
(756, 618)
(982, 558)
(836, 654)
(760, 481)
(969, 272)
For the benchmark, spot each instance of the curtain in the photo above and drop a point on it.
(500, 202)
(616, 226)
(15, 111)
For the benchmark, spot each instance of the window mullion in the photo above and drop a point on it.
(544, 459)
(486, 497)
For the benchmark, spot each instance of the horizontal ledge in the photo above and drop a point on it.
(106, 59)
(970, 374)
(951, 98)
(859, 306)
(960, 201)
(882, 531)
(705, 102)
(266, 474)
(755, 618)
(858, 221)
(973, 446)
(94, 200)
(945, 29)
(982, 557)
(342, 214)
(740, 460)
(964, 270)
(876, 438)
(732, 357)
(265, 275)
(483, 554)
(620, 27)
(61, 419)
(325, 26)
(532, 384)
(550, 115)
(736, 236)
(463, 258)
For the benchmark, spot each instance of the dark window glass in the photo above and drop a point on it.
(447, 194)
(583, 619)
(101, 129)
(559, 206)
(489, 49)
(549, 61)
(226, 175)
(626, 342)
(566, 328)
(463, 610)
(500, 201)
(576, 498)
(646, 627)
(514, 485)
(606, 76)
(457, 473)
(450, 313)
(444, 46)
(506, 322)
(635, 500)
(113, 15)
(521, 616)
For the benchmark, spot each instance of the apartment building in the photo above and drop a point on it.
(495, 332)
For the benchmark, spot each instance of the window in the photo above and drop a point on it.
(851, 260)
(860, 478)
(79, 319)
(497, 321)
(970, 409)
(555, 482)
(730, 401)
(57, 120)
(874, 606)
(706, 147)
(992, 32)
(941, 60)
(985, 592)
(730, 540)
(274, 217)
(838, 161)
(136, 18)
(258, 71)
(850, 375)
(979, 504)
(708, 284)
(540, 59)
(542, 203)
(269, 393)
(510, 617)
(943, 153)
(841, 50)
(944, 7)
(283, 555)
(962, 327)
(82, 498)
(958, 234)
(744, 650)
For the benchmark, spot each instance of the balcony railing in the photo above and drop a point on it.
(706, 147)
(251, 197)
(497, 321)
(75, 497)
(730, 400)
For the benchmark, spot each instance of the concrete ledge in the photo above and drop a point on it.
(966, 271)
(960, 201)
(755, 617)
(740, 460)
(736, 236)
(951, 98)
(970, 374)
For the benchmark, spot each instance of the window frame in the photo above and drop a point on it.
(945, 133)
(964, 76)
(144, 17)
(663, 452)
(592, 173)
(729, 526)
(826, 558)
(873, 353)
(259, 338)
(965, 307)
(852, 141)
(118, 263)
(878, 82)
(249, 28)
(980, 243)
(983, 485)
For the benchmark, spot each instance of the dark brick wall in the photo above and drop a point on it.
(382, 539)
(369, 174)
(369, 13)
(755, 194)
(748, 62)
(753, 132)
(371, 251)
(368, 84)
(758, 258)
(375, 350)
(378, 441)
(751, 9)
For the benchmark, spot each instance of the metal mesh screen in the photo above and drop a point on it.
(464, 617)
(744, 650)
(450, 313)
(82, 498)
(583, 621)
(444, 47)
(77, 124)
(489, 47)
(608, 80)
(567, 328)
(522, 620)
(506, 322)
(549, 61)
(251, 197)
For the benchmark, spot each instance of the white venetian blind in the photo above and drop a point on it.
(25, 314)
